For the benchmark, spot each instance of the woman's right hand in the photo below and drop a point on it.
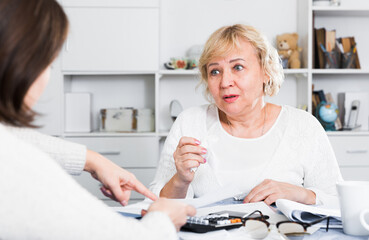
(187, 156)
(176, 210)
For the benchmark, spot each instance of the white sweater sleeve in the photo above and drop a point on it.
(71, 156)
(166, 168)
(41, 201)
(322, 171)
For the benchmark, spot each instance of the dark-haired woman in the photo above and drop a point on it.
(39, 200)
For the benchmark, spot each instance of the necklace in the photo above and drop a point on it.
(262, 129)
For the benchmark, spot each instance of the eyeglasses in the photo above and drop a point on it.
(258, 227)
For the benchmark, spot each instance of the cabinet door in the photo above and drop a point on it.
(112, 39)
(132, 152)
(352, 153)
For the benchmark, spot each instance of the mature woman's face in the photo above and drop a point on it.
(236, 81)
(37, 88)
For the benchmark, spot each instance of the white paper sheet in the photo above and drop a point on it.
(134, 208)
(308, 213)
(225, 192)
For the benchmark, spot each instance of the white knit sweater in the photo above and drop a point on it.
(39, 200)
(303, 157)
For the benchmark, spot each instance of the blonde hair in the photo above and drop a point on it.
(226, 39)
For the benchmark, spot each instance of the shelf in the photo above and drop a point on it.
(111, 3)
(340, 11)
(111, 134)
(163, 134)
(108, 73)
(196, 72)
(295, 71)
(180, 72)
(340, 71)
(348, 133)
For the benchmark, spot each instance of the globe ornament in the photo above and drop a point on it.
(327, 114)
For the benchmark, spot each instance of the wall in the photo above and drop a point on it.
(185, 23)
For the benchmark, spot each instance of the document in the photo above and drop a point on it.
(133, 210)
(220, 194)
(308, 213)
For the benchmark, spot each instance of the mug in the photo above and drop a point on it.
(354, 202)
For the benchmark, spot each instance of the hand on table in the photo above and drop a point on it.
(117, 182)
(176, 210)
(269, 191)
(186, 156)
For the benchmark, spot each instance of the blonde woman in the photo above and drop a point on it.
(268, 151)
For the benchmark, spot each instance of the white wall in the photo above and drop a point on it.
(186, 23)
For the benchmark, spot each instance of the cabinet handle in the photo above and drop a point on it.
(356, 151)
(110, 153)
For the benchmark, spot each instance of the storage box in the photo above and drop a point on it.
(77, 112)
(145, 120)
(119, 120)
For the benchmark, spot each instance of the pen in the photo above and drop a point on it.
(322, 47)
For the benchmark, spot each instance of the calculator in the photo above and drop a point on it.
(211, 222)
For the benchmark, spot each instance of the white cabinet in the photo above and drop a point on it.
(112, 38)
(352, 153)
(133, 152)
(348, 19)
(138, 155)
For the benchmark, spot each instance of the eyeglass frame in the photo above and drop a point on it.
(263, 218)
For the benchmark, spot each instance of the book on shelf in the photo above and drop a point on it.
(319, 39)
(309, 213)
(354, 50)
(332, 52)
(330, 40)
(321, 96)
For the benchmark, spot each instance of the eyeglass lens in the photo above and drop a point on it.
(256, 229)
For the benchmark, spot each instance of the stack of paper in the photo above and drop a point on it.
(309, 213)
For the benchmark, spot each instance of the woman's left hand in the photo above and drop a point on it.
(117, 182)
(269, 191)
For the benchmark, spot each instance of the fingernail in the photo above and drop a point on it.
(124, 202)
(203, 150)
(197, 142)
(204, 160)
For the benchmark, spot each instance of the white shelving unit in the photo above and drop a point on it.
(116, 48)
(349, 19)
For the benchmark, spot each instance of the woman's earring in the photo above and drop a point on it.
(267, 87)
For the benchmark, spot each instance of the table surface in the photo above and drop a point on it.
(321, 234)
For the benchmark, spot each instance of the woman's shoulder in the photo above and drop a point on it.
(194, 113)
(192, 121)
(11, 143)
(301, 118)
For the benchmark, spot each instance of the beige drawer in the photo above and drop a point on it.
(145, 175)
(355, 173)
(124, 151)
(351, 150)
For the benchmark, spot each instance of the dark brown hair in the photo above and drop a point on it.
(32, 33)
